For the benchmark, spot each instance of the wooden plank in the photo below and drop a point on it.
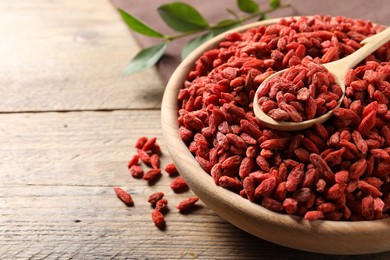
(69, 55)
(58, 171)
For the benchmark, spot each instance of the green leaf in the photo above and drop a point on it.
(182, 17)
(248, 6)
(138, 26)
(146, 58)
(226, 25)
(194, 43)
(274, 4)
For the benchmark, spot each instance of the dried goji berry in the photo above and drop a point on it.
(266, 187)
(145, 158)
(124, 196)
(158, 219)
(179, 185)
(154, 197)
(230, 183)
(162, 205)
(152, 175)
(313, 215)
(140, 142)
(136, 171)
(155, 161)
(186, 204)
(171, 169)
(133, 161)
(342, 162)
(149, 144)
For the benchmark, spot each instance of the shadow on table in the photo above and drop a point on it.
(250, 247)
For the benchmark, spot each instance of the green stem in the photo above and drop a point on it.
(234, 22)
(230, 11)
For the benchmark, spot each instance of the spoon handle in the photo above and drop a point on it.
(371, 44)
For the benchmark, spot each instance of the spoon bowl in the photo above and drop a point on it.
(292, 126)
(338, 69)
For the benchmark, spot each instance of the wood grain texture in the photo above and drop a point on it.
(58, 171)
(69, 55)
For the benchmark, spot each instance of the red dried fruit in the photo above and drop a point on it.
(186, 204)
(250, 129)
(155, 161)
(149, 144)
(295, 177)
(357, 169)
(140, 142)
(158, 219)
(245, 167)
(310, 146)
(232, 162)
(266, 187)
(290, 205)
(271, 204)
(136, 171)
(380, 154)
(133, 161)
(162, 205)
(302, 154)
(278, 114)
(322, 167)
(382, 169)
(236, 141)
(335, 157)
(327, 207)
(154, 197)
(179, 185)
(263, 163)
(145, 158)
(156, 149)
(275, 144)
(368, 207)
(302, 195)
(230, 183)
(313, 215)
(342, 176)
(335, 192)
(379, 208)
(367, 123)
(292, 112)
(310, 178)
(320, 185)
(192, 122)
(217, 123)
(249, 188)
(359, 141)
(185, 134)
(301, 89)
(369, 189)
(152, 175)
(385, 132)
(171, 169)
(124, 196)
(205, 164)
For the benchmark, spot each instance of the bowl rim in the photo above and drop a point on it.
(232, 207)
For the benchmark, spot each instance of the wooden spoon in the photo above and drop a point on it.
(338, 69)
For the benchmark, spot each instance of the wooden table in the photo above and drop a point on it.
(69, 121)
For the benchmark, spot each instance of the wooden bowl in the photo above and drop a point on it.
(321, 236)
